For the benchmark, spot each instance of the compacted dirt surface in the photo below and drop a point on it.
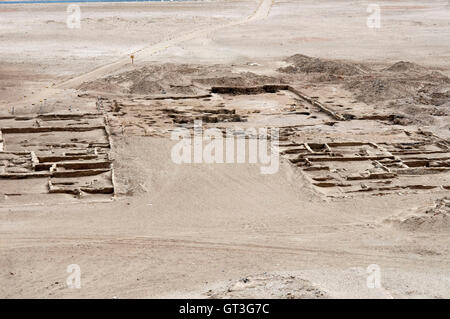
(358, 205)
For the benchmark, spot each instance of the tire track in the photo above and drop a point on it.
(155, 242)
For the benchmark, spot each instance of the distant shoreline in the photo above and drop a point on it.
(82, 1)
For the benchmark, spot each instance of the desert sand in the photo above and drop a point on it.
(87, 178)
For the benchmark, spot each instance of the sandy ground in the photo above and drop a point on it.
(225, 230)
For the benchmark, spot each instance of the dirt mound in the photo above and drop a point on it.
(268, 286)
(174, 79)
(405, 66)
(375, 88)
(427, 88)
(306, 64)
(402, 83)
(435, 219)
(153, 79)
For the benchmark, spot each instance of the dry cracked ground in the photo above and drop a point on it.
(87, 178)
